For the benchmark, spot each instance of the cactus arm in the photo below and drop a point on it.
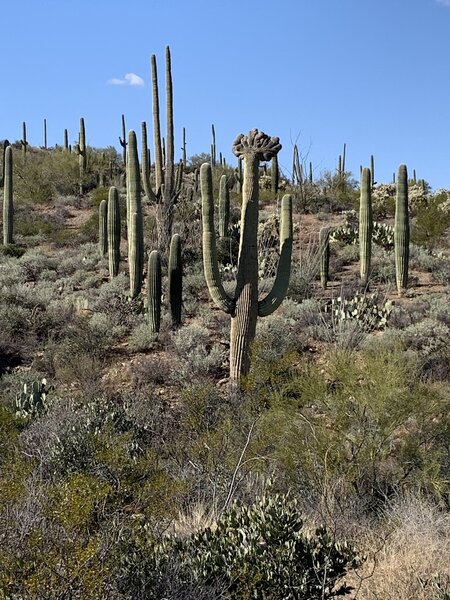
(156, 126)
(280, 286)
(210, 264)
(324, 250)
(146, 166)
(224, 207)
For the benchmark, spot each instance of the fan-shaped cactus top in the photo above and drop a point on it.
(257, 143)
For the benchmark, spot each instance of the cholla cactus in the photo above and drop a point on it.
(244, 306)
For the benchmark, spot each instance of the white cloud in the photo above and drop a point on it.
(129, 79)
(444, 2)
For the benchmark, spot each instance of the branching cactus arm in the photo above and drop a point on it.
(210, 264)
(280, 286)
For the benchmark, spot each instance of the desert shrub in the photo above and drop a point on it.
(142, 338)
(198, 355)
(430, 223)
(429, 339)
(364, 419)
(14, 250)
(267, 537)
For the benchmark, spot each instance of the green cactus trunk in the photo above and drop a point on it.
(154, 291)
(224, 207)
(244, 307)
(66, 140)
(113, 232)
(401, 231)
(103, 228)
(82, 154)
(365, 226)
(175, 280)
(45, 134)
(134, 218)
(123, 141)
(324, 249)
(23, 141)
(8, 205)
(275, 175)
(213, 147)
(372, 169)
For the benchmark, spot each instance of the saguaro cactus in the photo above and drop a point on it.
(103, 228)
(365, 225)
(123, 141)
(275, 175)
(401, 231)
(175, 279)
(66, 140)
(154, 291)
(8, 205)
(134, 217)
(324, 249)
(45, 134)
(224, 207)
(113, 232)
(23, 141)
(213, 145)
(82, 154)
(244, 306)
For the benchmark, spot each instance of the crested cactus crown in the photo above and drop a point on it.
(258, 143)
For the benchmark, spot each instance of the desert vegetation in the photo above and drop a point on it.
(220, 381)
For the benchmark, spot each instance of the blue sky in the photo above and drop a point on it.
(372, 73)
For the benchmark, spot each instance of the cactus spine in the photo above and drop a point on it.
(154, 291)
(175, 280)
(365, 225)
(324, 249)
(8, 205)
(401, 231)
(103, 228)
(224, 207)
(113, 232)
(134, 217)
(244, 306)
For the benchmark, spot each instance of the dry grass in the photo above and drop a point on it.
(409, 556)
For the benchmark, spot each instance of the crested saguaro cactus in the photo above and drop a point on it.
(103, 228)
(175, 279)
(365, 225)
(244, 306)
(113, 232)
(8, 205)
(134, 218)
(401, 231)
(154, 291)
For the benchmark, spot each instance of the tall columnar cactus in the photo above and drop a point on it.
(166, 193)
(23, 141)
(134, 217)
(310, 172)
(103, 228)
(372, 169)
(275, 175)
(45, 134)
(183, 148)
(324, 250)
(8, 206)
(401, 231)
(66, 140)
(113, 232)
(175, 279)
(365, 225)
(224, 207)
(244, 306)
(2, 177)
(213, 146)
(154, 291)
(82, 153)
(123, 141)
(146, 166)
